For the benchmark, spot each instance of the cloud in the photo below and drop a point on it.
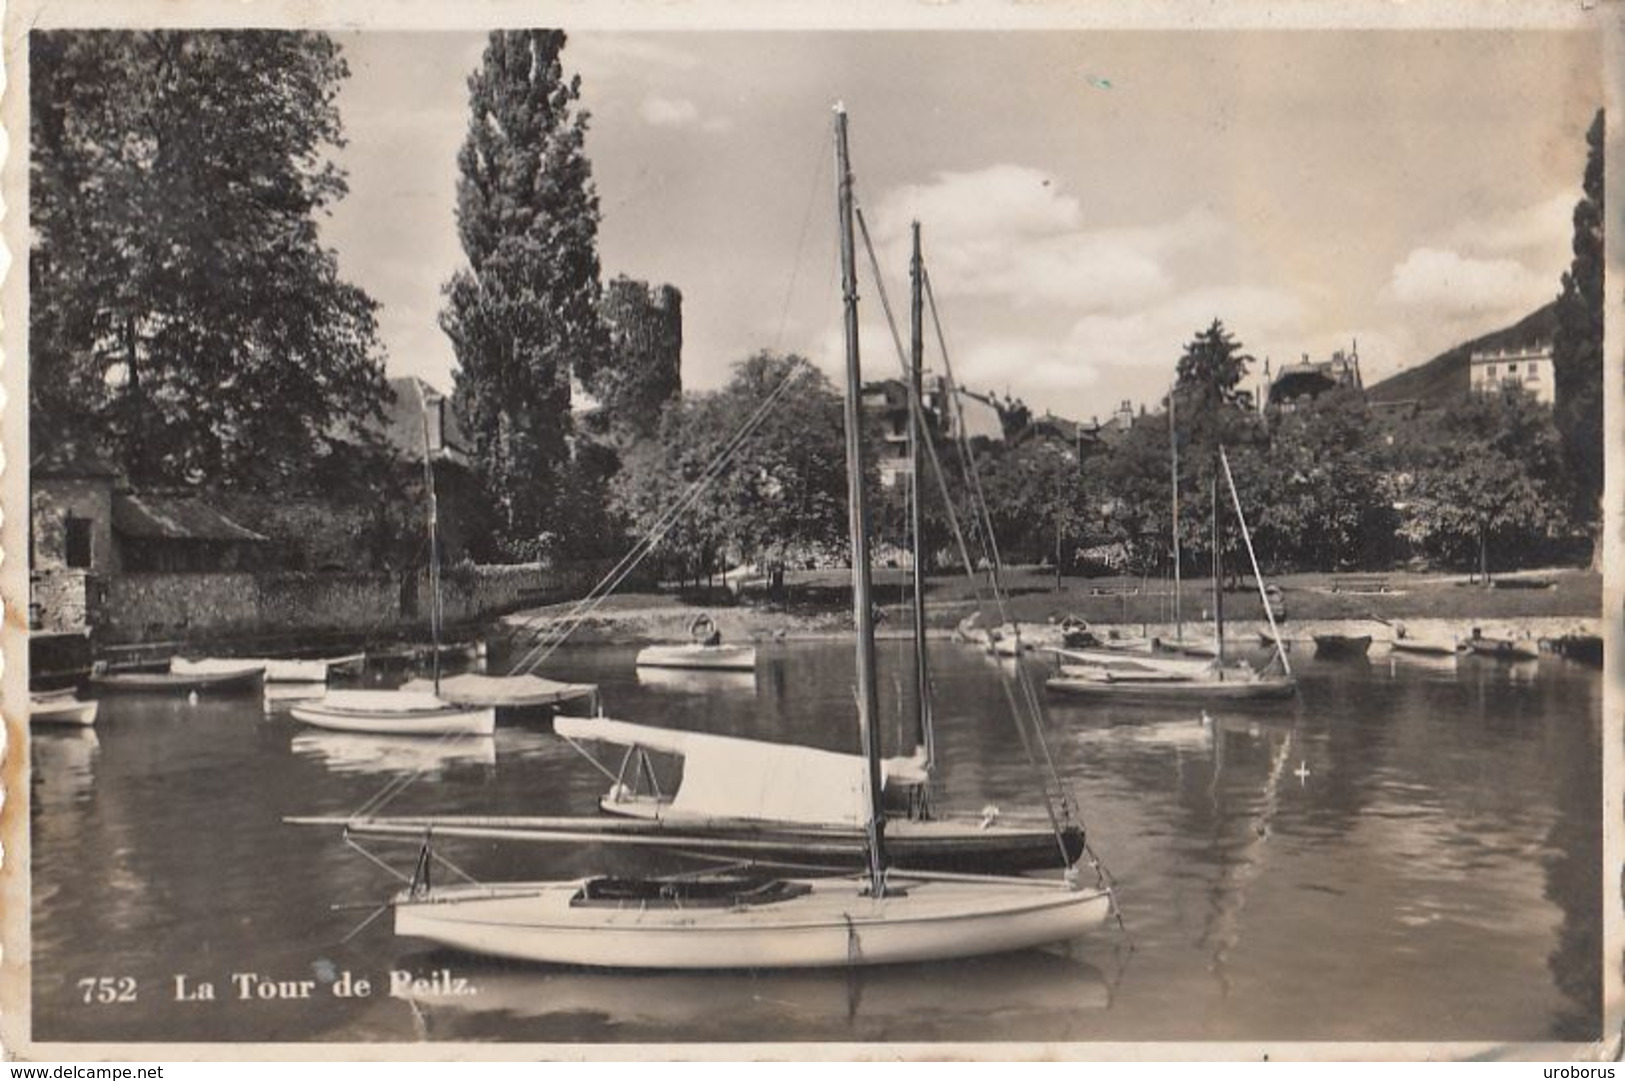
(669, 112)
(1544, 226)
(1452, 284)
(605, 52)
(679, 113)
(1008, 231)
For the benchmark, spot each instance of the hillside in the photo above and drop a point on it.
(1445, 376)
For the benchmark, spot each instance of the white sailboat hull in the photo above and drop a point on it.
(397, 713)
(694, 655)
(830, 925)
(61, 711)
(277, 669)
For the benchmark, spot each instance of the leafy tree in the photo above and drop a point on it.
(1487, 476)
(782, 495)
(1034, 499)
(1577, 343)
(523, 316)
(1319, 494)
(644, 368)
(185, 316)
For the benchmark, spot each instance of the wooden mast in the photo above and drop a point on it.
(863, 617)
(1218, 577)
(1173, 450)
(434, 547)
(923, 728)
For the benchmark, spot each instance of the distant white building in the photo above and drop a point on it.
(1525, 368)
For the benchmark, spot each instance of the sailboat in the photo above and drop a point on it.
(408, 711)
(1153, 681)
(1187, 647)
(778, 803)
(881, 916)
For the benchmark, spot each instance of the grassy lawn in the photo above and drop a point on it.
(1034, 598)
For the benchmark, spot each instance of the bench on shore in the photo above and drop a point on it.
(1361, 584)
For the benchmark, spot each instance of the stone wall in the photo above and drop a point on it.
(164, 607)
(51, 502)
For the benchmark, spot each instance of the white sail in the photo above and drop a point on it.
(731, 777)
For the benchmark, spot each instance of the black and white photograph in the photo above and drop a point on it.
(979, 533)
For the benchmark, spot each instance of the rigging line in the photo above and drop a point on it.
(917, 407)
(657, 533)
(784, 315)
(1069, 802)
(667, 519)
(823, 163)
(553, 635)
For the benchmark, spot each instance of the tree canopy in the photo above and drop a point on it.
(1577, 362)
(783, 494)
(523, 316)
(185, 316)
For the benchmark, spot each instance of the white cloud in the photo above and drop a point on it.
(1007, 231)
(1452, 284)
(669, 112)
(1539, 227)
(680, 113)
(604, 52)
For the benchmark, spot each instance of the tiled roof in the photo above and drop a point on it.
(175, 518)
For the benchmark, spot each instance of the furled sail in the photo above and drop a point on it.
(730, 777)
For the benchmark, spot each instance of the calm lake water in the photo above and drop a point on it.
(1406, 852)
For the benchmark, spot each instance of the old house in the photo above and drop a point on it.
(1308, 379)
(1523, 368)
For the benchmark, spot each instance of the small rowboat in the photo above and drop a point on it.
(699, 655)
(1505, 649)
(739, 922)
(396, 713)
(239, 677)
(1342, 645)
(277, 669)
(1427, 647)
(61, 708)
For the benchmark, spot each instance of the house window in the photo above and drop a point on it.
(1491, 372)
(77, 542)
(1512, 368)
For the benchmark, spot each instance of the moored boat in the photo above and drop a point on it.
(746, 923)
(241, 677)
(277, 669)
(1342, 645)
(1504, 648)
(399, 713)
(61, 709)
(699, 655)
(1425, 645)
(778, 803)
(1224, 685)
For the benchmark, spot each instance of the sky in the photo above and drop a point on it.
(1088, 201)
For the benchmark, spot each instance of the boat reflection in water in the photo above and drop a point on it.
(281, 693)
(891, 1002)
(64, 764)
(697, 680)
(351, 752)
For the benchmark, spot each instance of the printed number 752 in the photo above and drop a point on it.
(107, 989)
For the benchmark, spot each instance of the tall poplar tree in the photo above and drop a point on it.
(523, 316)
(1577, 342)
